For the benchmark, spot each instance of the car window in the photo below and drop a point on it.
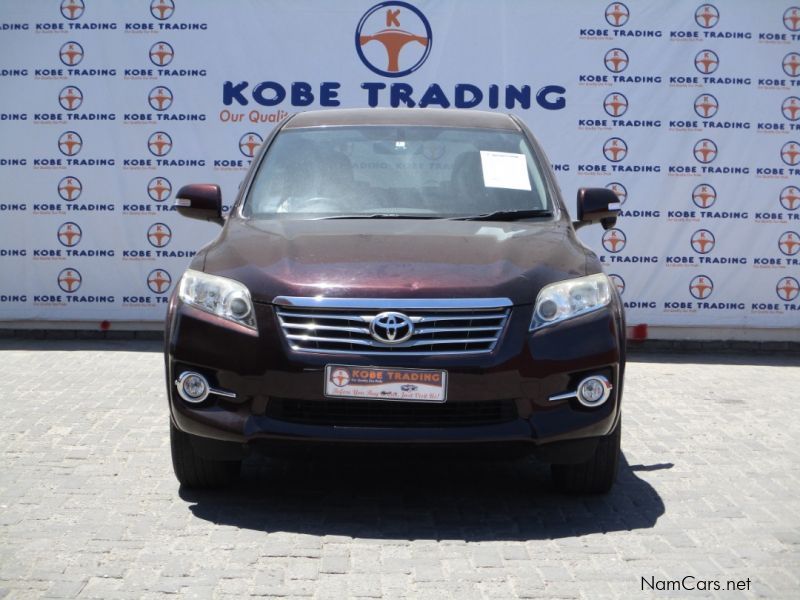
(422, 171)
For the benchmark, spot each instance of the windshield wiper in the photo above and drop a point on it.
(378, 216)
(507, 215)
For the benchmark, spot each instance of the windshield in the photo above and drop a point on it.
(397, 172)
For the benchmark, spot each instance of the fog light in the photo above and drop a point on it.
(593, 391)
(192, 387)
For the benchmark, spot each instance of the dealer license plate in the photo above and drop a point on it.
(378, 383)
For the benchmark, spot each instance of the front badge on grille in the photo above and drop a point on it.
(391, 327)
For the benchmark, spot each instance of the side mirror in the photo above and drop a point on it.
(201, 201)
(597, 205)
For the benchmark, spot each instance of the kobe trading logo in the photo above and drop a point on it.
(615, 149)
(159, 189)
(249, 143)
(159, 143)
(616, 60)
(71, 53)
(706, 106)
(159, 235)
(614, 240)
(393, 39)
(704, 196)
(69, 188)
(706, 61)
(789, 243)
(619, 190)
(706, 16)
(69, 234)
(615, 104)
(161, 54)
(703, 241)
(787, 289)
(617, 14)
(705, 151)
(160, 98)
(159, 281)
(70, 143)
(700, 287)
(70, 98)
(72, 9)
(162, 9)
(69, 280)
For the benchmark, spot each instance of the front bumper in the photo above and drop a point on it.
(525, 369)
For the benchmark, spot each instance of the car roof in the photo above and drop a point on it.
(430, 117)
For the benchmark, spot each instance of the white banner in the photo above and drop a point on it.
(689, 111)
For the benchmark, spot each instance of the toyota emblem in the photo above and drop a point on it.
(391, 328)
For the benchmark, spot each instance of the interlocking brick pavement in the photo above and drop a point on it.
(89, 507)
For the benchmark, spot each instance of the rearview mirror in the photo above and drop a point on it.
(597, 205)
(201, 201)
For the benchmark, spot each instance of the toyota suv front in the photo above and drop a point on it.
(397, 277)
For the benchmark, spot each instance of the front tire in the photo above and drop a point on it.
(193, 470)
(595, 476)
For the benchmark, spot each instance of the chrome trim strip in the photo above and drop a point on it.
(220, 392)
(565, 396)
(394, 303)
(373, 344)
(385, 353)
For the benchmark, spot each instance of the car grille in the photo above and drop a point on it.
(341, 326)
(366, 413)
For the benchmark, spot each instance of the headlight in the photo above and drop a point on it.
(566, 299)
(219, 296)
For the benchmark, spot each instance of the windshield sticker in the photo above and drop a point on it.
(505, 170)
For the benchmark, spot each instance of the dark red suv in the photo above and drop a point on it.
(402, 277)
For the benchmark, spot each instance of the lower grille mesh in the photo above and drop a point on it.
(366, 413)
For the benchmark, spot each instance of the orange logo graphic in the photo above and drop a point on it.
(706, 106)
(706, 16)
(788, 288)
(70, 98)
(791, 108)
(249, 143)
(790, 197)
(706, 61)
(701, 287)
(616, 60)
(72, 9)
(614, 240)
(162, 9)
(70, 143)
(791, 64)
(71, 53)
(615, 149)
(69, 280)
(789, 243)
(69, 234)
(159, 235)
(791, 18)
(161, 54)
(703, 241)
(159, 143)
(160, 98)
(69, 188)
(617, 14)
(159, 189)
(159, 281)
(340, 377)
(704, 196)
(382, 24)
(615, 104)
(705, 151)
(790, 153)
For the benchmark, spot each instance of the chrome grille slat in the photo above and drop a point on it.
(341, 326)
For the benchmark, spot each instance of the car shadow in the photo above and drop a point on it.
(423, 499)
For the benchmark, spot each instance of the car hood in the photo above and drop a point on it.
(395, 258)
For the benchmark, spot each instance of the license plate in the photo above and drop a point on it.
(379, 383)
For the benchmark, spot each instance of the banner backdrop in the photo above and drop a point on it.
(689, 111)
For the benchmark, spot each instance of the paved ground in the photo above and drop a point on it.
(89, 507)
